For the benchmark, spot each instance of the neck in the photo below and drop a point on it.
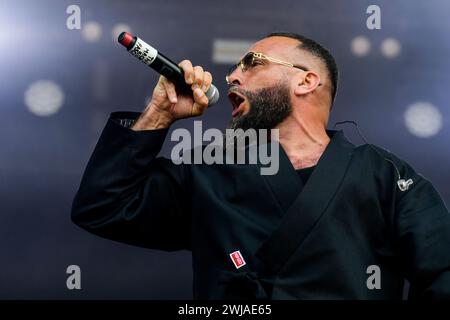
(303, 139)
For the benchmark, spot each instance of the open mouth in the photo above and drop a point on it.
(237, 101)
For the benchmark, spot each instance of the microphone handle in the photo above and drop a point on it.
(163, 65)
(172, 72)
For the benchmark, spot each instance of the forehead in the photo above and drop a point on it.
(280, 47)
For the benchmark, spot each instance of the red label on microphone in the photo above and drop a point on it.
(237, 259)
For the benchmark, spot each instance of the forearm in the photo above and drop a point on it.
(152, 119)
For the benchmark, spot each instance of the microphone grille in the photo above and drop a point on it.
(213, 95)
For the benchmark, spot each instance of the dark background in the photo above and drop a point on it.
(42, 157)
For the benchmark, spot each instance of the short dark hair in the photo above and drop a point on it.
(318, 51)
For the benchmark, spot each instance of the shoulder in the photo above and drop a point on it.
(385, 163)
(379, 156)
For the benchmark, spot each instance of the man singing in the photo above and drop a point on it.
(337, 221)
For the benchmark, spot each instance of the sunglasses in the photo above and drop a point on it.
(253, 59)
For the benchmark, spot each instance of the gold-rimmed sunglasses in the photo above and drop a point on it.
(252, 59)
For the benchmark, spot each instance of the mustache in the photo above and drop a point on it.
(250, 93)
(236, 89)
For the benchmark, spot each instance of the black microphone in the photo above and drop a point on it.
(163, 65)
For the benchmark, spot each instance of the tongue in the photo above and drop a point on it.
(237, 109)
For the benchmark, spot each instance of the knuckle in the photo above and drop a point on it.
(198, 71)
(207, 80)
(169, 85)
(199, 75)
(186, 66)
(185, 62)
(204, 101)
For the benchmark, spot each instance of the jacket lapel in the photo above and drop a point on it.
(286, 184)
(304, 209)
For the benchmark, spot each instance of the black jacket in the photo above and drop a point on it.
(299, 242)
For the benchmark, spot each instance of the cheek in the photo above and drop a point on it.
(261, 79)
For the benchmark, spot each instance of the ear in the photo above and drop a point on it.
(306, 82)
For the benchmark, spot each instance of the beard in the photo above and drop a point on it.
(268, 108)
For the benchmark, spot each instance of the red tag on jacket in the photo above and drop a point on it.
(237, 259)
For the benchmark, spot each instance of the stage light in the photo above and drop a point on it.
(44, 98)
(360, 46)
(92, 31)
(390, 48)
(423, 119)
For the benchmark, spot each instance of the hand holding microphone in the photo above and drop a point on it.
(182, 90)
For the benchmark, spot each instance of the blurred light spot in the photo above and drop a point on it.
(229, 51)
(390, 48)
(118, 29)
(360, 46)
(92, 31)
(44, 98)
(423, 119)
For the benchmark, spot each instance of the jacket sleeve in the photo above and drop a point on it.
(423, 235)
(129, 195)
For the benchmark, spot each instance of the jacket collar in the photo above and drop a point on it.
(301, 210)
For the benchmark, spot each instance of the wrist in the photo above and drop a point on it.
(153, 118)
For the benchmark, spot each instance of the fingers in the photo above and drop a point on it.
(207, 80)
(188, 70)
(196, 77)
(200, 81)
(200, 102)
(170, 90)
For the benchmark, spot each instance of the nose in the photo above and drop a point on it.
(235, 77)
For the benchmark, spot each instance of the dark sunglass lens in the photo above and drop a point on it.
(247, 61)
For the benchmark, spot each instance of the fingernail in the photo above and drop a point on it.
(173, 99)
(198, 92)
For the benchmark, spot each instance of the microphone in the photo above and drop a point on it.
(163, 65)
